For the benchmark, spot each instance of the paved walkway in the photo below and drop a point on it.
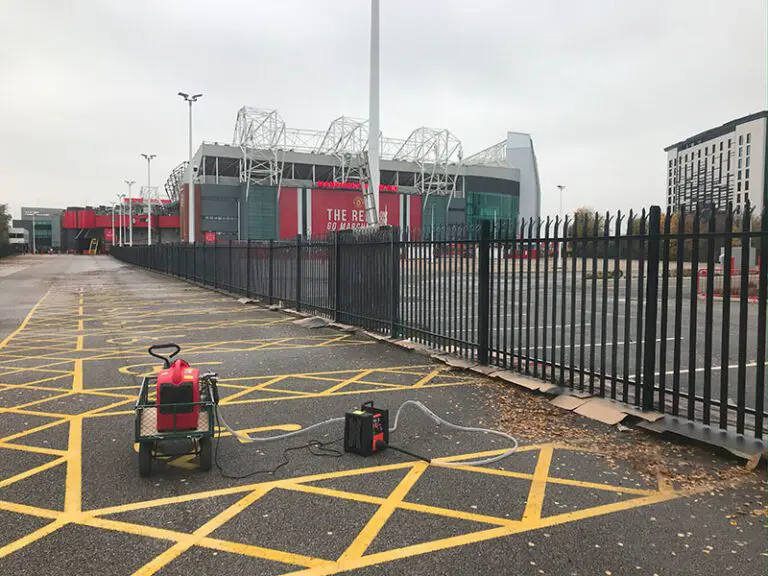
(72, 502)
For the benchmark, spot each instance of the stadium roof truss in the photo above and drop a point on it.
(260, 134)
(174, 181)
(263, 138)
(439, 156)
(495, 155)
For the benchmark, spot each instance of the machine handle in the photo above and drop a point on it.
(165, 359)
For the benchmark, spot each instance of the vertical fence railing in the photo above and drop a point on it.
(578, 302)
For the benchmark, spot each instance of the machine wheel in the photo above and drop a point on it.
(145, 459)
(206, 454)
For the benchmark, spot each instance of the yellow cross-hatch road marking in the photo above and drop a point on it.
(56, 346)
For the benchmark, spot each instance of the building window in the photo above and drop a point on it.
(739, 162)
(729, 142)
(748, 147)
(741, 140)
(675, 161)
(740, 151)
(686, 157)
(738, 177)
(738, 198)
(721, 146)
(747, 161)
(746, 174)
(699, 156)
(749, 139)
(746, 185)
(670, 163)
(738, 186)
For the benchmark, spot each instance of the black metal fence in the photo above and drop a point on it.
(663, 311)
(7, 250)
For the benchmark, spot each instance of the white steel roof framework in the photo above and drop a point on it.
(438, 154)
(260, 134)
(174, 181)
(264, 138)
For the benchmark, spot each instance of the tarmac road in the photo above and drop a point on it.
(72, 502)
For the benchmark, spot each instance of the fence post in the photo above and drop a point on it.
(651, 299)
(298, 272)
(248, 269)
(483, 287)
(336, 276)
(394, 313)
(229, 263)
(271, 272)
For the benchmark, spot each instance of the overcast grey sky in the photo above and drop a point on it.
(86, 86)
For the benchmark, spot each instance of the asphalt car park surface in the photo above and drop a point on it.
(72, 501)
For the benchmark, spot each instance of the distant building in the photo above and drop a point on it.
(46, 223)
(19, 239)
(720, 165)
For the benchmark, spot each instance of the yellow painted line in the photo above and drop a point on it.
(33, 430)
(260, 386)
(342, 393)
(240, 489)
(29, 510)
(265, 553)
(24, 322)
(554, 480)
(80, 326)
(337, 339)
(49, 379)
(62, 394)
(77, 380)
(30, 538)
(136, 529)
(79, 345)
(426, 378)
(535, 499)
(35, 449)
(74, 480)
(366, 499)
(216, 522)
(346, 382)
(366, 536)
(32, 471)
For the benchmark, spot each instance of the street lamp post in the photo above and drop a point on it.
(121, 214)
(130, 212)
(149, 158)
(113, 224)
(34, 242)
(561, 187)
(192, 236)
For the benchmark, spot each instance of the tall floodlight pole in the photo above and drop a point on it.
(192, 236)
(130, 212)
(113, 224)
(149, 158)
(373, 104)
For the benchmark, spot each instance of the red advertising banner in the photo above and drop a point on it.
(343, 209)
(210, 236)
(108, 235)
